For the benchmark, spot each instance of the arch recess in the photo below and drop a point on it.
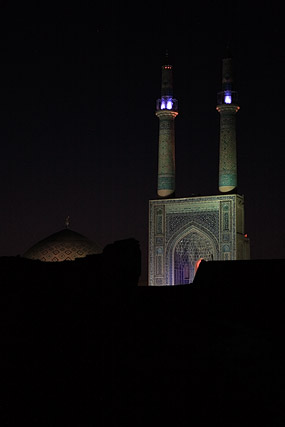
(185, 248)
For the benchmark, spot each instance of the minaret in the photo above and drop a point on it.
(227, 107)
(166, 111)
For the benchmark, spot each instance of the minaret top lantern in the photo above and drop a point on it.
(166, 102)
(227, 95)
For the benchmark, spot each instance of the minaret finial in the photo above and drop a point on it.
(166, 56)
(228, 50)
(67, 221)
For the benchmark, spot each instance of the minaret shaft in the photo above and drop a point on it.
(228, 151)
(166, 153)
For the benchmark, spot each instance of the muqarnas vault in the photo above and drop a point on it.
(184, 231)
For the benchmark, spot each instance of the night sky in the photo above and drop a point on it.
(78, 131)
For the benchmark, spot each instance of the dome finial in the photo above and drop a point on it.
(67, 221)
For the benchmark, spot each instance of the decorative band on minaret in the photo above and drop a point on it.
(166, 111)
(227, 107)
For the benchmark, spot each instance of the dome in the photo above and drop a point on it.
(65, 245)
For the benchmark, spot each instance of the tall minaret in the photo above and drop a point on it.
(227, 107)
(166, 111)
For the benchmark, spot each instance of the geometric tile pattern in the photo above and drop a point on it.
(65, 245)
(166, 153)
(228, 152)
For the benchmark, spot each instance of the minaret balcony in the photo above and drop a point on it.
(227, 97)
(167, 103)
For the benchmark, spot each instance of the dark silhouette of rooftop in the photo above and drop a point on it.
(83, 345)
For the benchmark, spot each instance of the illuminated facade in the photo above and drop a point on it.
(183, 231)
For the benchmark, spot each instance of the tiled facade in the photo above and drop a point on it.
(184, 231)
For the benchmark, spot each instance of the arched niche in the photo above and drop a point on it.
(185, 249)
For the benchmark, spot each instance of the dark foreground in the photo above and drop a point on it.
(82, 345)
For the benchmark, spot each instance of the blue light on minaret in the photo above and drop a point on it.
(166, 103)
(228, 97)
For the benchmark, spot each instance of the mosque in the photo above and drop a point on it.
(83, 345)
(184, 231)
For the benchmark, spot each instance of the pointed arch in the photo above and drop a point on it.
(189, 244)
